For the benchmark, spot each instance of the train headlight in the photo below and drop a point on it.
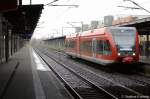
(119, 54)
(133, 54)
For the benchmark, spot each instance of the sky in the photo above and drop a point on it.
(54, 18)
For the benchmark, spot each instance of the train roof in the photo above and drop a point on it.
(87, 33)
(117, 27)
(100, 31)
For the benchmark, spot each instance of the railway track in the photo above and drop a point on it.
(111, 88)
(138, 78)
(140, 83)
(80, 88)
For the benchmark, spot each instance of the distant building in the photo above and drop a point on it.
(77, 29)
(126, 19)
(108, 20)
(94, 24)
(123, 20)
(85, 27)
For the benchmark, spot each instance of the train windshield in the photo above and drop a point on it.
(124, 38)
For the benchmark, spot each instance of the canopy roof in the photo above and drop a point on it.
(24, 19)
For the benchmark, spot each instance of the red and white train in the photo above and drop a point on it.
(105, 45)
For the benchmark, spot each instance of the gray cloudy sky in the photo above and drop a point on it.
(53, 18)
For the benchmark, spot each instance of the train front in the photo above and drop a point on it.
(126, 44)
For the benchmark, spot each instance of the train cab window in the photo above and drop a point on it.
(86, 46)
(103, 47)
(124, 37)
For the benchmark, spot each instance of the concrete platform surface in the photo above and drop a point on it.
(26, 76)
(144, 59)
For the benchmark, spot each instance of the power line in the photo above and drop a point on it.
(138, 5)
(65, 5)
(130, 7)
(51, 2)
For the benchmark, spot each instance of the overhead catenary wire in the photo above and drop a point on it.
(130, 7)
(138, 5)
(66, 6)
(51, 2)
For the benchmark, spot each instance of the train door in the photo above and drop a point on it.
(78, 46)
(94, 47)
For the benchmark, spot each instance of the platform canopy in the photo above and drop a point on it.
(7, 5)
(142, 25)
(24, 19)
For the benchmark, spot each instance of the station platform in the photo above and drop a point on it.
(25, 76)
(144, 59)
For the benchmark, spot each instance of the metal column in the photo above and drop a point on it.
(147, 45)
(11, 37)
(6, 41)
(0, 46)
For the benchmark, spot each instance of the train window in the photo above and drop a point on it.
(106, 47)
(124, 37)
(99, 48)
(86, 46)
(103, 47)
(66, 44)
(71, 44)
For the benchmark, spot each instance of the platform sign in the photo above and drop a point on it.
(6, 5)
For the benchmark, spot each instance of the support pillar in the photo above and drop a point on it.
(1, 39)
(147, 46)
(6, 41)
(11, 44)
